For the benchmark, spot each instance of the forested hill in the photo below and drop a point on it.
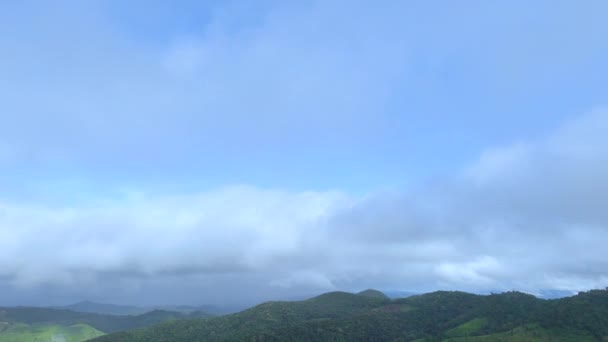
(437, 316)
(45, 324)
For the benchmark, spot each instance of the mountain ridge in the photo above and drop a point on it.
(437, 316)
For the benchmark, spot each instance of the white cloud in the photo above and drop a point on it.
(78, 97)
(536, 221)
(500, 163)
(521, 228)
(477, 273)
(310, 280)
(231, 229)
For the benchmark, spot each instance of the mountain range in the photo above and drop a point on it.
(371, 316)
(121, 310)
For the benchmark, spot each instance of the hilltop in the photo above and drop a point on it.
(373, 294)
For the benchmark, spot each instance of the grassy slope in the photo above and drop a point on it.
(21, 332)
(529, 333)
(466, 329)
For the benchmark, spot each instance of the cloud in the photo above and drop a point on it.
(310, 280)
(108, 137)
(529, 216)
(229, 230)
(471, 273)
(99, 97)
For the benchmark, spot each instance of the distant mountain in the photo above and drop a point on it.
(263, 317)
(210, 309)
(438, 316)
(123, 310)
(106, 309)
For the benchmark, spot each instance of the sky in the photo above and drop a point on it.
(230, 152)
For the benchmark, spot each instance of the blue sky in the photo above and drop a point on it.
(115, 113)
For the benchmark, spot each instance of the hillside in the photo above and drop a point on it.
(21, 332)
(45, 324)
(437, 316)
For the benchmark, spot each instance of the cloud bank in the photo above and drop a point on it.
(530, 216)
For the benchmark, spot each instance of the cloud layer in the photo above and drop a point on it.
(529, 216)
(154, 153)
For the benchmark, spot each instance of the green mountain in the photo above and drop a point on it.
(27, 324)
(437, 316)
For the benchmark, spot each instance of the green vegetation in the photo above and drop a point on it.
(21, 332)
(27, 324)
(529, 333)
(437, 316)
(469, 328)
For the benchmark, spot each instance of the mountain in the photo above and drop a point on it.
(124, 310)
(262, 318)
(107, 309)
(438, 316)
(47, 324)
(210, 309)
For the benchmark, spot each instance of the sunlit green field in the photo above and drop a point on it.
(46, 333)
(528, 333)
